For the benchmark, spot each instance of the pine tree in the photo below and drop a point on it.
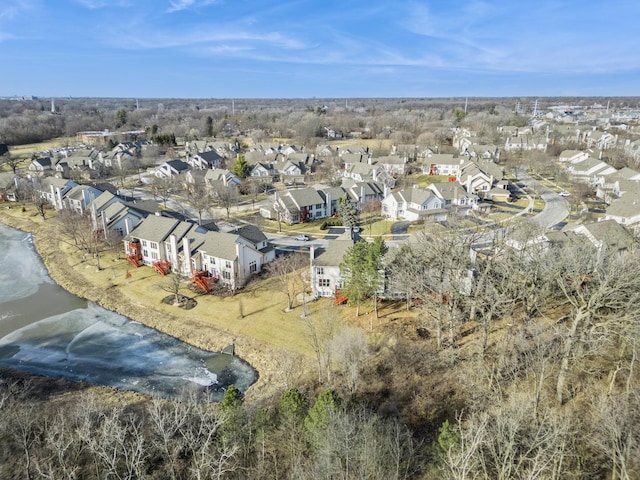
(347, 213)
(241, 167)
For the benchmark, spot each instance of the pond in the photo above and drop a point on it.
(45, 330)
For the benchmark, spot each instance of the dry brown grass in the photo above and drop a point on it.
(254, 319)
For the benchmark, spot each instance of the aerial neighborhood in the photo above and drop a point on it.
(409, 261)
(419, 184)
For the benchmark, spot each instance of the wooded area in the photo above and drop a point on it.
(514, 360)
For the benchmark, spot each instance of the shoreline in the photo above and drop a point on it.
(111, 297)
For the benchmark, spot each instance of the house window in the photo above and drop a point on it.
(154, 256)
(154, 245)
(253, 268)
(462, 201)
(226, 275)
(319, 270)
(144, 243)
(145, 252)
(324, 282)
(168, 247)
(227, 264)
(319, 206)
(212, 260)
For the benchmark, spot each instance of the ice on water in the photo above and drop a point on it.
(101, 347)
(22, 271)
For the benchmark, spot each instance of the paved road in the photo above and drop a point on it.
(555, 207)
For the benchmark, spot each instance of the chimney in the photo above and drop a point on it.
(186, 252)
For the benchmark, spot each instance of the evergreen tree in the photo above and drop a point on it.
(360, 269)
(347, 213)
(241, 167)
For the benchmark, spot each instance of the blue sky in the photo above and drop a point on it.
(304, 49)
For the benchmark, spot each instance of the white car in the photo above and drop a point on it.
(564, 194)
(302, 238)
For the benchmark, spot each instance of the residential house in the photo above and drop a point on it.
(364, 172)
(453, 195)
(231, 258)
(605, 234)
(117, 218)
(263, 170)
(573, 156)
(205, 160)
(8, 186)
(219, 176)
(80, 196)
(413, 204)
(443, 164)
(483, 152)
(299, 206)
(481, 176)
(609, 187)
(290, 171)
(360, 193)
(407, 152)
(42, 164)
(589, 170)
(53, 190)
(172, 168)
(462, 139)
(625, 211)
(526, 142)
(394, 165)
(325, 275)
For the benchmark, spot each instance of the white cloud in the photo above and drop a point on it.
(178, 5)
(95, 4)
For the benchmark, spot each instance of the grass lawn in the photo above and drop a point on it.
(29, 148)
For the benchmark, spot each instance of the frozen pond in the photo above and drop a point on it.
(47, 331)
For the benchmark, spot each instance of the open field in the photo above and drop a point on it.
(28, 149)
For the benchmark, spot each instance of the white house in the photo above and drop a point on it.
(325, 275)
(185, 248)
(172, 168)
(413, 204)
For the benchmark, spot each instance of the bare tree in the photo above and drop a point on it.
(285, 269)
(163, 187)
(199, 198)
(225, 195)
(349, 351)
(602, 288)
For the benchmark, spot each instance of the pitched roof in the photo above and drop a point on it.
(332, 255)
(304, 196)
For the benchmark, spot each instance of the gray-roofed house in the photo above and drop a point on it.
(8, 186)
(42, 164)
(299, 206)
(172, 168)
(453, 195)
(325, 275)
(204, 160)
(229, 257)
(80, 196)
(413, 204)
(442, 164)
(53, 189)
(625, 210)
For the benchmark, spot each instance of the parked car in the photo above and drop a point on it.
(302, 238)
(564, 194)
